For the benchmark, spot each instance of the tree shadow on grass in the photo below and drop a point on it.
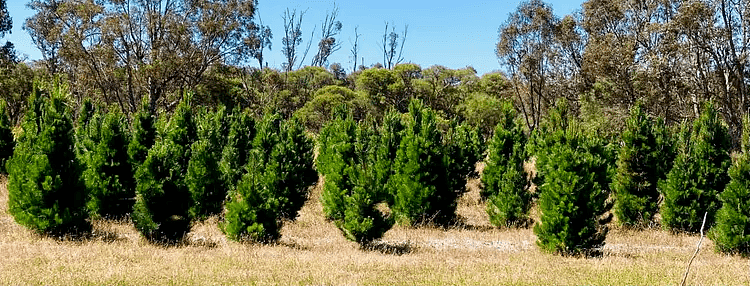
(389, 248)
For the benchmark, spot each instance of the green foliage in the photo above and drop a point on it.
(318, 111)
(699, 174)
(253, 211)
(390, 135)
(239, 142)
(463, 147)
(275, 187)
(422, 191)
(204, 178)
(161, 211)
(483, 111)
(731, 234)
(573, 186)
(384, 89)
(286, 147)
(143, 135)
(638, 170)
(108, 174)
(504, 178)
(350, 194)
(45, 190)
(6, 137)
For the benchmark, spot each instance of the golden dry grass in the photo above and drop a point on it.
(313, 252)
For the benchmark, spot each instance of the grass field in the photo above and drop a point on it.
(313, 252)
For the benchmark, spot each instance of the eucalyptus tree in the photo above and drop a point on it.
(123, 50)
(525, 49)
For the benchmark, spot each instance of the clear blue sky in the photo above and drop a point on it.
(455, 34)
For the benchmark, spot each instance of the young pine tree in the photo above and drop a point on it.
(504, 180)
(350, 195)
(253, 210)
(698, 176)
(464, 147)
(239, 142)
(279, 174)
(573, 189)
(45, 189)
(143, 135)
(108, 174)
(638, 171)
(203, 177)
(421, 189)
(163, 200)
(731, 234)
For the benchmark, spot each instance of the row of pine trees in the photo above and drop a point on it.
(165, 172)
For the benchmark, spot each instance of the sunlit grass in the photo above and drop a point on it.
(313, 252)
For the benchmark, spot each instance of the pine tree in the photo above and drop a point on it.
(422, 190)
(390, 134)
(239, 142)
(464, 147)
(573, 197)
(279, 174)
(163, 200)
(45, 190)
(143, 135)
(253, 211)
(638, 171)
(699, 174)
(108, 174)
(350, 195)
(504, 178)
(203, 177)
(731, 234)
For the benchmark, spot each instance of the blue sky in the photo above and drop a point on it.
(454, 34)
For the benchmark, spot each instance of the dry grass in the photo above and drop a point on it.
(313, 252)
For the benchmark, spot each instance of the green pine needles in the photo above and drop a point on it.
(504, 179)
(699, 174)
(639, 168)
(422, 191)
(161, 211)
(279, 173)
(731, 234)
(573, 185)
(204, 178)
(349, 161)
(45, 190)
(108, 175)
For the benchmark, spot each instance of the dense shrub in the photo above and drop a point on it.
(731, 234)
(279, 174)
(504, 179)
(143, 135)
(108, 174)
(45, 190)
(638, 171)
(253, 210)
(204, 178)
(239, 142)
(422, 191)
(573, 184)
(318, 111)
(464, 147)
(161, 211)
(699, 174)
(350, 195)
